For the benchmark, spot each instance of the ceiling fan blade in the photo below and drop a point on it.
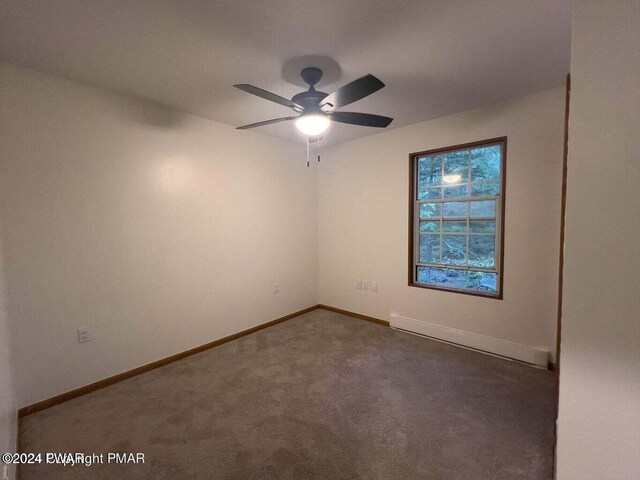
(363, 119)
(272, 97)
(266, 122)
(352, 92)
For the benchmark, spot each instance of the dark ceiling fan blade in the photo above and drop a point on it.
(266, 122)
(272, 97)
(363, 119)
(352, 92)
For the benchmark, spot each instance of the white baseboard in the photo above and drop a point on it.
(496, 346)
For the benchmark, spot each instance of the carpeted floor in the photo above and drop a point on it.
(322, 396)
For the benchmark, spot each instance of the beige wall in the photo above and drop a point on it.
(159, 230)
(363, 202)
(599, 420)
(8, 418)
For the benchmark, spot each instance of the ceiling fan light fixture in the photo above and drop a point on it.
(313, 125)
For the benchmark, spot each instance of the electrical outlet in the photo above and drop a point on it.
(373, 286)
(365, 285)
(84, 335)
(276, 288)
(359, 284)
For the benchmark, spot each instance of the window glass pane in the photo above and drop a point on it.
(429, 248)
(455, 209)
(454, 249)
(449, 226)
(482, 250)
(429, 226)
(429, 171)
(483, 208)
(428, 210)
(485, 189)
(482, 227)
(485, 163)
(429, 193)
(458, 191)
(463, 279)
(456, 167)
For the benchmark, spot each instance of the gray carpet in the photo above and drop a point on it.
(322, 396)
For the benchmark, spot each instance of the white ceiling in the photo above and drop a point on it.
(435, 56)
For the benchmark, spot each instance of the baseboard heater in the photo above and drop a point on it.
(495, 346)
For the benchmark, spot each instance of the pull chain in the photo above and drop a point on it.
(318, 149)
(307, 152)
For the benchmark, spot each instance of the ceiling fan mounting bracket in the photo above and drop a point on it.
(311, 75)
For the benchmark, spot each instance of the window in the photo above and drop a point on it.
(456, 225)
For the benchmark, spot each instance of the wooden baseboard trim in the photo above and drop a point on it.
(78, 392)
(63, 397)
(355, 315)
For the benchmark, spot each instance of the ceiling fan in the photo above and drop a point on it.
(317, 109)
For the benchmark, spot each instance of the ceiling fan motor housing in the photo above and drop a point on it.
(310, 99)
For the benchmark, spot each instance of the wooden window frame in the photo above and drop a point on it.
(500, 222)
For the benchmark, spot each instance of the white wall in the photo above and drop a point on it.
(363, 215)
(159, 230)
(8, 418)
(599, 420)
